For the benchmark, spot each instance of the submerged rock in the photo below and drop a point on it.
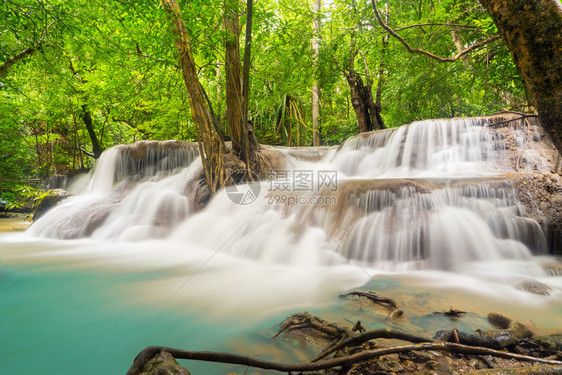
(535, 287)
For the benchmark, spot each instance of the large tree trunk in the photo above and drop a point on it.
(211, 145)
(244, 142)
(532, 30)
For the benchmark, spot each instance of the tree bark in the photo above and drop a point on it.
(211, 146)
(532, 30)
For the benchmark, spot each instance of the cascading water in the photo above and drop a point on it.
(431, 198)
(436, 215)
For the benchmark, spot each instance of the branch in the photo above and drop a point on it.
(520, 114)
(10, 62)
(88, 153)
(456, 26)
(142, 54)
(149, 352)
(493, 38)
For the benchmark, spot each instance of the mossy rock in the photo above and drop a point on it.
(163, 364)
(552, 342)
(48, 201)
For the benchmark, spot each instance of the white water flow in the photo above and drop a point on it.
(423, 197)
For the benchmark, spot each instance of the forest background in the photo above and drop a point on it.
(77, 77)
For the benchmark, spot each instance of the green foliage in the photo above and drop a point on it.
(23, 195)
(117, 61)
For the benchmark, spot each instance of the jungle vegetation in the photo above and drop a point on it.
(77, 77)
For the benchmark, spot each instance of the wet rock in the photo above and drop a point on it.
(313, 330)
(52, 199)
(478, 363)
(441, 365)
(163, 364)
(535, 287)
(553, 268)
(389, 364)
(541, 197)
(507, 324)
(418, 356)
(552, 342)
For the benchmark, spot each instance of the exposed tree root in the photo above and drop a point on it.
(371, 335)
(149, 352)
(453, 312)
(498, 341)
(385, 301)
(306, 320)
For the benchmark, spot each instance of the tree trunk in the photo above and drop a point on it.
(233, 88)
(244, 143)
(316, 6)
(246, 66)
(87, 118)
(532, 30)
(252, 140)
(366, 110)
(374, 107)
(211, 146)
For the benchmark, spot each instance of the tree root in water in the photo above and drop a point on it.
(371, 335)
(151, 351)
(481, 347)
(308, 321)
(452, 313)
(385, 301)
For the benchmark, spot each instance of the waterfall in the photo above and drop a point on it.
(135, 192)
(430, 195)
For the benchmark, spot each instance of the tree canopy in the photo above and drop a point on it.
(80, 76)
